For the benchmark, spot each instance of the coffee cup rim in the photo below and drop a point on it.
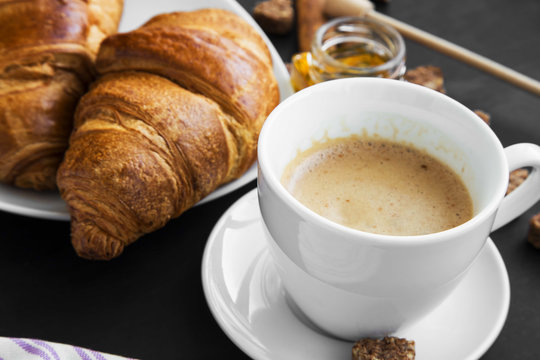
(381, 239)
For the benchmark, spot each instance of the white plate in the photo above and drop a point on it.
(49, 205)
(246, 297)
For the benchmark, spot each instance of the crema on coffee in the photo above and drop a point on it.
(378, 186)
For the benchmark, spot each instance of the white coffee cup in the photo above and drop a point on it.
(352, 283)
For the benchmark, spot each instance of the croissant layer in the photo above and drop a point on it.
(47, 53)
(175, 113)
(211, 52)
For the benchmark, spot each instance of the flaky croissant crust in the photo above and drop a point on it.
(176, 113)
(47, 52)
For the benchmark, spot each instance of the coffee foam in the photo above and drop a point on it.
(378, 186)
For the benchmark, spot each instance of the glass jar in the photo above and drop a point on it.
(350, 47)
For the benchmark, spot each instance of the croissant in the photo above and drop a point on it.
(175, 113)
(47, 52)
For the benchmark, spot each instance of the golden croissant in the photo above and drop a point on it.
(47, 50)
(175, 113)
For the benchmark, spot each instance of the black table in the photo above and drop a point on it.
(149, 302)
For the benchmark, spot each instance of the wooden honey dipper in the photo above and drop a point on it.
(337, 8)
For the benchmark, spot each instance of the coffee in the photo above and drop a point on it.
(378, 186)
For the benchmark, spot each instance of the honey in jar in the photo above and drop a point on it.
(350, 47)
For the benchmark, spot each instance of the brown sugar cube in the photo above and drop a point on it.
(534, 231)
(483, 115)
(428, 75)
(517, 177)
(274, 16)
(383, 349)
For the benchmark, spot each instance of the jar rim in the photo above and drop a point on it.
(397, 39)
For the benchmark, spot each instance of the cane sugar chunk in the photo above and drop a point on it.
(387, 348)
(517, 177)
(534, 231)
(427, 75)
(483, 115)
(274, 16)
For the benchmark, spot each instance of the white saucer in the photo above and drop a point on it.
(49, 204)
(245, 296)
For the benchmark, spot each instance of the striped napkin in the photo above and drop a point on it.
(32, 349)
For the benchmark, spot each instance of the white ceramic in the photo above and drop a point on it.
(353, 283)
(247, 298)
(49, 205)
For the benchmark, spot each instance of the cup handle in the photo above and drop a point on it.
(526, 194)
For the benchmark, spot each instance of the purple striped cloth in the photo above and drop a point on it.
(32, 349)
